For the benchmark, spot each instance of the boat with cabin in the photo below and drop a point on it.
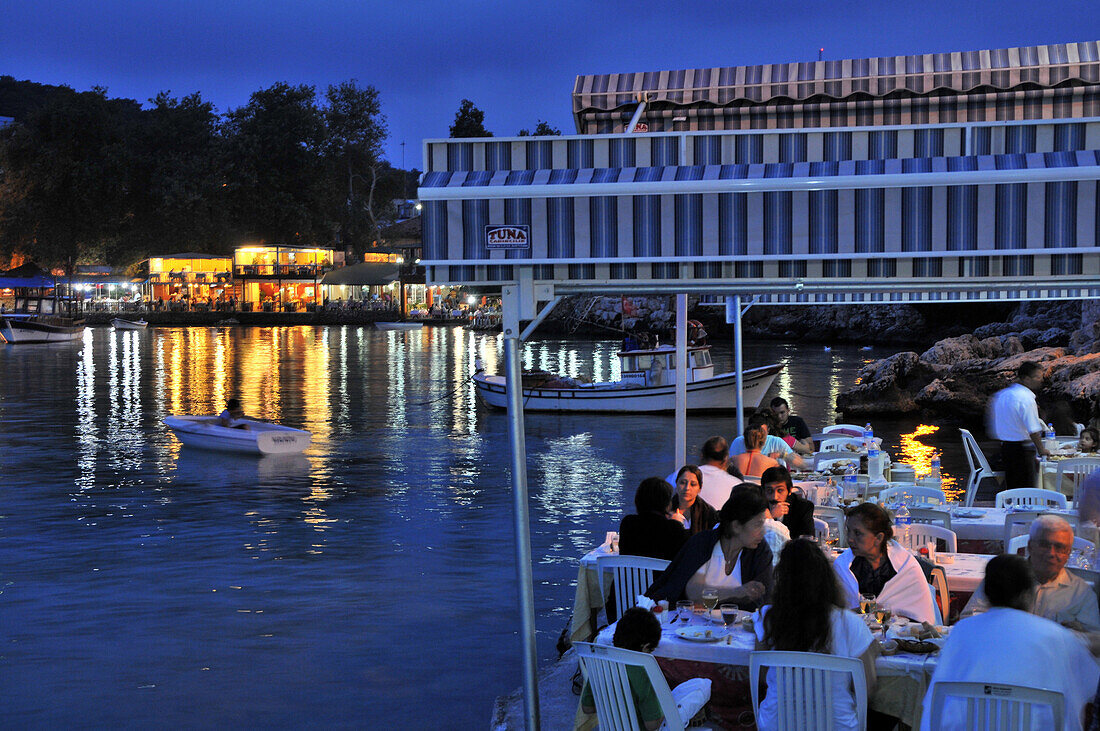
(39, 313)
(120, 323)
(648, 384)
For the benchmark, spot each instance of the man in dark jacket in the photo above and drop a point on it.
(794, 511)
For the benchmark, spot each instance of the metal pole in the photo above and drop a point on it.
(512, 347)
(681, 379)
(737, 366)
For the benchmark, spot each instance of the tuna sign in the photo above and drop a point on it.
(508, 237)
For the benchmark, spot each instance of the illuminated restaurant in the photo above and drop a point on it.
(282, 276)
(187, 277)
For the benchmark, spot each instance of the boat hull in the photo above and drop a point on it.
(259, 438)
(399, 325)
(30, 330)
(120, 324)
(713, 394)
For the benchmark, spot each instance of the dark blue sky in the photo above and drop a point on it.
(517, 62)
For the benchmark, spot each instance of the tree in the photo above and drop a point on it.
(355, 132)
(275, 177)
(542, 129)
(469, 121)
(67, 177)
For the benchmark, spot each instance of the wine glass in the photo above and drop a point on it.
(866, 603)
(882, 616)
(710, 599)
(683, 610)
(729, 613)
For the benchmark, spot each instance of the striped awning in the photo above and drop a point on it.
(960, 72)
(364, 274)
(960, 170)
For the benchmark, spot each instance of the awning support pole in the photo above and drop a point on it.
(733, 315)
(681, 380)
(637, 113)
(511, 298)
(546, 310)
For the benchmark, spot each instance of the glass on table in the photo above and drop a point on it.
(710, 599)
(684, 609)
(867, 603)
(729, 613)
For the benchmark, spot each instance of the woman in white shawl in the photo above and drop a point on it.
(875, 564)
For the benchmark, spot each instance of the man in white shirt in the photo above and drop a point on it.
(1009, 645)
(717, 482)
(1013, 419)
(1062, 597)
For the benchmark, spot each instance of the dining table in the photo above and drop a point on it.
(724, 658)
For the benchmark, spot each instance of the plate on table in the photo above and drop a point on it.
(964, 513)
(702, 634)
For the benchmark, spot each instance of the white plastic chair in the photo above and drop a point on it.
(997, 706)
(1030, 496)
(1076, 470)
(979, 466)
(805, 697)
(920, 534)
(913, 495)
(1024, 518)
(941, 596)
(840, 444)
(1017, 542)
(931, 516)
(631, 576)
(605, 669)
(833, 517)
(821, 530)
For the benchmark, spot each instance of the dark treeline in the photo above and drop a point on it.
(85, 178)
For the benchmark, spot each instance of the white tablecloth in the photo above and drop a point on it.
(981, 524)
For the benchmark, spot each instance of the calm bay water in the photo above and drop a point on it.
(370, 581)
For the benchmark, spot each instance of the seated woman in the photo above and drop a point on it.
(875, 564)
(753, 462)
(687, 508)
(794, 511)
(651, 532)
(732, 558)
(808, 614)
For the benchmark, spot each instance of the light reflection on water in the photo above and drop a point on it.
(121, 545)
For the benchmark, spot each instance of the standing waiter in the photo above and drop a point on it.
(1013, 418)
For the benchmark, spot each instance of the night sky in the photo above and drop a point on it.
(516, 61)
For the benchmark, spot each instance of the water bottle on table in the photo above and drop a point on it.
(868, 437)
(902, 521)
(851, 485)
(1049, 440)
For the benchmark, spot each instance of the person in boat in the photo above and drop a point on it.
(650, 532)
(232, 415)
(732, 558)
(794, 511)
(687, 507)
(753, 462)
(790, 428)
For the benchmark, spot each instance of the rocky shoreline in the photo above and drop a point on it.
(957, 375)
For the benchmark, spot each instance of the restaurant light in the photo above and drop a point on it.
(471, 300)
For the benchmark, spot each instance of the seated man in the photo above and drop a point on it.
(790, 428)
(1010, 645)
(232, 415)
(717, 481)
(1062, 596)
(794, 511)
(774, 447)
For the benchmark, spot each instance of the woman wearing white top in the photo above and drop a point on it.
(876, 564)
(807, 614)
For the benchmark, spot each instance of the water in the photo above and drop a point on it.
(369, 581)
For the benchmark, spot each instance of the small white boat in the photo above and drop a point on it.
(648, 385)
(253, 437)
(122, 324)
(399, 325)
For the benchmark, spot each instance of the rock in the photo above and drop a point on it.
(887, 386)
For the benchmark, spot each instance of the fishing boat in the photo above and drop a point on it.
(399, 325)
(40, 314)
(122, 324)
(648, 384)
(248, 436)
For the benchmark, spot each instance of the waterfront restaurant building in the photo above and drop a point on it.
(282, 277)
(186, 278)
(979, 165)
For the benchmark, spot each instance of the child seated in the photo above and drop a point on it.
(1089, 440)
(638, 630)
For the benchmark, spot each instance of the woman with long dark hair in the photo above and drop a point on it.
(808, 614)
(651, 532)
(687, 507)
(732, 558)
